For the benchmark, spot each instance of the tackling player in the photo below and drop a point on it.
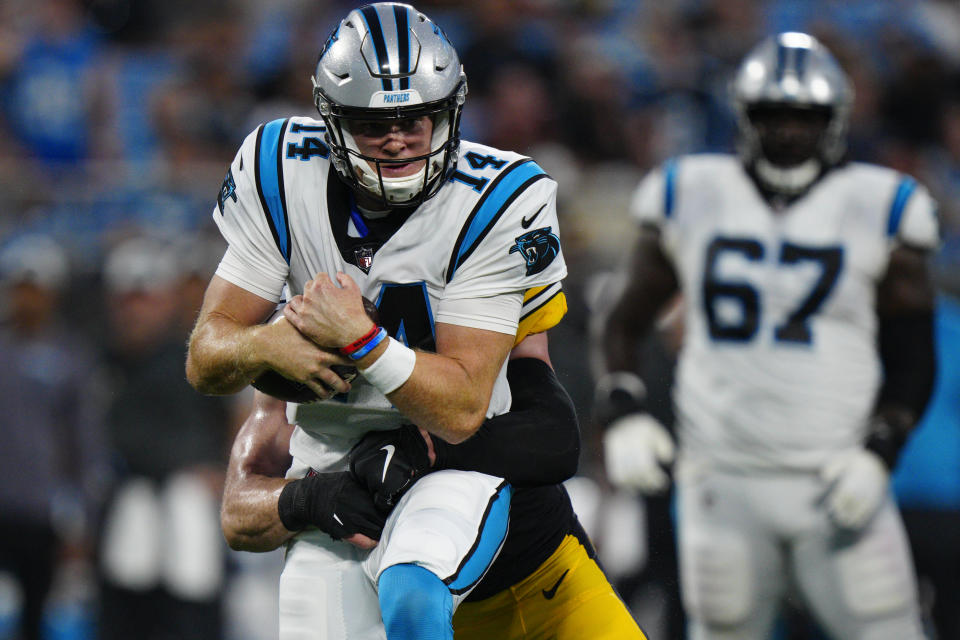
(807, 358)
(546, 581)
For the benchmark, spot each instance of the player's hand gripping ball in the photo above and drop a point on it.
(273, 384)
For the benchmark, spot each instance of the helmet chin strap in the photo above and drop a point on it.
(789, 181)
(397, 189)
(404, 188)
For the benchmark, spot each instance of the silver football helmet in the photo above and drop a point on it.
(793, 105)
(389, 62)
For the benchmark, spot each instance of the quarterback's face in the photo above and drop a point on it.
(394, 140)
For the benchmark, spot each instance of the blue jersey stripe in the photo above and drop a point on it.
(904, 190)
(499, 195)
(669, 187)
(493, 531)
(269, 172)
(372, 18)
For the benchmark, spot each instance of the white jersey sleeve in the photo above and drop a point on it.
(653, 204)
(509, 244)
(913, 216)
(493, 313)
(252, 260)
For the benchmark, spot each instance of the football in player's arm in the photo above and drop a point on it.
(538, 442)
(807, 358)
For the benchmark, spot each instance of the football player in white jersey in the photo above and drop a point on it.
(380, 198)
(807, 358)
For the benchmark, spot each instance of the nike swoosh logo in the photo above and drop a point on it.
(337, 518)
(526, 222)
(389, 448)
(549, 593)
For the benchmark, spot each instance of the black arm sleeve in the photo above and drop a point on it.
(909, 361)
(907, 352)
(536, 443)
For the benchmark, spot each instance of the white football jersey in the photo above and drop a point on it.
(779, 367)
(488, 235)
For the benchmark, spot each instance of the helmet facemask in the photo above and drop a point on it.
(365, 173)
(789, 143)
(793, 104)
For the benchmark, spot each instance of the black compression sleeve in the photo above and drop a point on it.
(906, 344)
(536, 443)
(909, 361)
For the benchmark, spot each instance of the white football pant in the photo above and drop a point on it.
(452, 523)
(744, 537)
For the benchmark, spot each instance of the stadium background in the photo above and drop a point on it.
(118, 118)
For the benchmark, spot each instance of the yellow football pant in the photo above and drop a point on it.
(568, 597)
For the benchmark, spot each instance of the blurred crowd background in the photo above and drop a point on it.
(118, 120)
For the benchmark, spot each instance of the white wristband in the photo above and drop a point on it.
(392, 368)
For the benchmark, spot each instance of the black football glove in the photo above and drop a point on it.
(333, 502)
(389, 462)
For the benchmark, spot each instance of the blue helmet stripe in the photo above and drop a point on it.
(372, 18)
(499, 195)
(269, 178)
(800, 60)
(493, 531)
(669, 187)
(326, 45)
(904, 190)
(403, 42)
(781, 62)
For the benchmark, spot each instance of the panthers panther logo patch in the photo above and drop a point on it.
(538, 247)
(227, 190)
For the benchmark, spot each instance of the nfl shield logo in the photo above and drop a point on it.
(363, 257)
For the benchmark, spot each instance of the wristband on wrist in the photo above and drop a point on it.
(361, 347)
(886, 436)
(392, 368)
(291, 506)
(617, 394)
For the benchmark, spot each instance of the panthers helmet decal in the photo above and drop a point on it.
(389, 62)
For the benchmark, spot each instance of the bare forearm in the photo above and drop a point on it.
(222, 356)
(448, 392)
(255, 477)
(229, 346)
(249, 517)
(620, 341)
(442, 398)
(652, 282)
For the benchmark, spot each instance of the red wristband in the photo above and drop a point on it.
(360, 343)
